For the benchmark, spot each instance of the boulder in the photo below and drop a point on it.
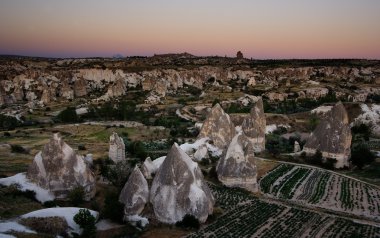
(179, 189)
(218, 127)
(254, 126)
(59, 169)
(117, 148)
(237, 167)
(297, 147)
(135, 193)
(332, 137)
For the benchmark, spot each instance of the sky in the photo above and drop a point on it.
(261, 29)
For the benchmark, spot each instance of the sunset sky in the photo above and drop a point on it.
(261, 29)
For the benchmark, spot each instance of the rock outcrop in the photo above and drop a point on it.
(254, 125)
(179, 189)
(117, 148)
(218, 127)
(332, 137)
(297, 147)
(59, 169)
(237, 167)
(135, 193)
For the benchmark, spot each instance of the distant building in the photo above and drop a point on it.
(239, 55)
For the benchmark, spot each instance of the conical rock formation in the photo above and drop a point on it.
(59, 169)
(218, 127)
(179, 189)
(117, 148)
(135, 193)
(237, 168)
(332, 137)
(254, 126)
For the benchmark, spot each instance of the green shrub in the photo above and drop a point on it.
(86, 221)
(8, 122)
(113, 209)
(69, 115)
(76, 196)
(19, 149)
(189, 221)
(361, 155)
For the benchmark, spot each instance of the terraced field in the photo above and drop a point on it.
(321, 188)
(247, 216)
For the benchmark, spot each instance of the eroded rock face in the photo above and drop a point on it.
(237, 168)
(135, 193)
(332, 137)
(80, 88)
(297, 147)
(179, 189)
(59, 169)
(254, 125)
(218, 127)
(117, 148)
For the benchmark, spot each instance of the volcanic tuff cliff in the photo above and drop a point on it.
(135, 193)
(237, 167)
(179, 189)
(68, 79)
(59, 169)
(218, 127)
(254, 125)
(332, 137)
(117, 148)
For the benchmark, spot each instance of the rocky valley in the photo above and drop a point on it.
(177, 145)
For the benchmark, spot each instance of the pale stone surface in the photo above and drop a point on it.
(117, 148)
(59, 169)
(135, 193)
(297, 147)
(179, 189)
(332, 137)
(254, 126)
(218, 127)
(237, 168)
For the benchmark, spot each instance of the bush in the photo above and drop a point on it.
(361, 155)
(69, 115)
(86, 221)
(19, 149)
(48, 225)
(189, 221)
(113, 209)
(118, 173)
(82, 147)
(51, 203)
(137, 149)
(8, 122)
(76, 196)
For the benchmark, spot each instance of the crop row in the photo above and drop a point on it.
(258, 218)
(322, 188)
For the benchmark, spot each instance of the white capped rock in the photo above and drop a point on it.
(117, 148)
(237, 168)
(59, 169)
(218, 127)
(179, 189)
(135, 193)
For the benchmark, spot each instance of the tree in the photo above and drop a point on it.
(76, 196)
(361, 155)
(68, 115)
(113, 209)
(86, 221)
(188, 221)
